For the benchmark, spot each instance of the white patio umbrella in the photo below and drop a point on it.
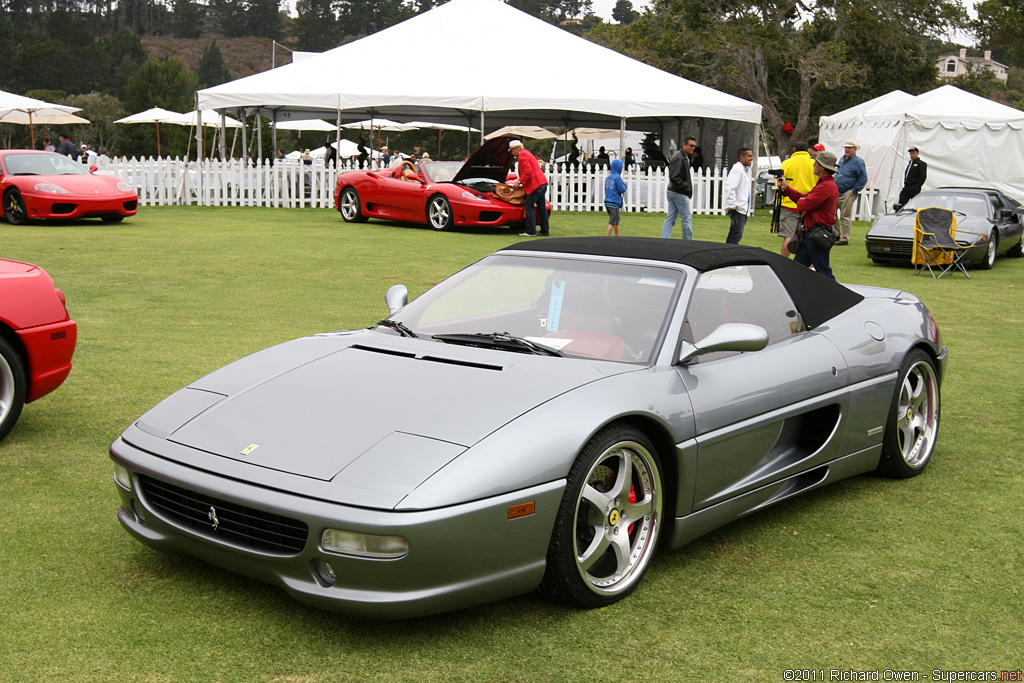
(441, 127)
(535, 132)
(379, 125)
(155, 115)
(597, 133)
(311, 124)
(30, 111)
(211, 119)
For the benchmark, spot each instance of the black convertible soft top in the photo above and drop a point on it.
(816, 297)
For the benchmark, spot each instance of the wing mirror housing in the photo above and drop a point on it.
(93, 168)
(727, 337)
(396, 298)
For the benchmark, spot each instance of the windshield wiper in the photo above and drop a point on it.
(498, 340)
(400, 328)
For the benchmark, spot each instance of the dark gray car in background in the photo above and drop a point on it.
(987, 220)
(541, 419)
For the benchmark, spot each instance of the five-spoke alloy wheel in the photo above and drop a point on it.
(348, 204)
(608, 522)
(14, 207)
(913, 423)
(439, 212)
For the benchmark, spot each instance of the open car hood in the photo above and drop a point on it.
(492, 161)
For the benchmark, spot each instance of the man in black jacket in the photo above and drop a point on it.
(680, 190)
(67, 148)
(917, 173)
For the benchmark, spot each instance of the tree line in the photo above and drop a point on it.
(799, 59)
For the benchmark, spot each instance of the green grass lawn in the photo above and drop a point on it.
(868, 574)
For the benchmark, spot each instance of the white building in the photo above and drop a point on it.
(951, 66)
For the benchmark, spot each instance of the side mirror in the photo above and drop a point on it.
(727, 337)
(93, 168)
(397, 297)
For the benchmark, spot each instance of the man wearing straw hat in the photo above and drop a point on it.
(851, 178)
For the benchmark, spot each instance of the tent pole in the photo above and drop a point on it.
(337, 138)
(482, 127)
(245, 137)
(622, 137)
(223, 135)
(273, 135)
(259, 134)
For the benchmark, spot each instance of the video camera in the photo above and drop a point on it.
(777, 172)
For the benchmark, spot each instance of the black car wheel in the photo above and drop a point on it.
(439, 212)
(608, 522)
(349, 206)
(990, 255)
(913, 423)
(12, 387)
(1017, 250)
(14, 208)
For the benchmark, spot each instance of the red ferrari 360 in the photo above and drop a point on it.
(46, 185)
(441, 194)
(37, 338)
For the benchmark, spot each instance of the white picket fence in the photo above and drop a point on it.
(292, 184)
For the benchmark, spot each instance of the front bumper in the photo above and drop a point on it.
(70, 206)
(49, 349)
(459, 556)
(901, 250)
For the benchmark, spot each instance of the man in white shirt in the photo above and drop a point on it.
(738, 202)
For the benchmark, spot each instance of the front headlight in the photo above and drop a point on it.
(364, 545)
(50, 188)
(123, 186)
(469, 195)
(121, 476)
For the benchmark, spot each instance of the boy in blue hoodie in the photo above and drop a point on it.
(614, 186)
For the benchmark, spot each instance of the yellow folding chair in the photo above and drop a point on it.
(935, 245)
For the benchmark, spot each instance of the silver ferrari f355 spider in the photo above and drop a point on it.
(545, 418)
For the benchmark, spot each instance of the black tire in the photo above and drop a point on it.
(13, 386)
(990, 255)
(913, 424)
(350, 207)
(439, 212)
(596, 517)
(14, 207)
(112, 218)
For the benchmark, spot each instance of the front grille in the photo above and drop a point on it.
(62, 208)
(902, 247)
(235, 523)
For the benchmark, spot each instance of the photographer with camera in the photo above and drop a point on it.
(815, 236)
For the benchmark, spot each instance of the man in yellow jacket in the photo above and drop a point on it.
(799, 172)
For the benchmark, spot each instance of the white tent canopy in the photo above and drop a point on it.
(463, 78)
(967, 140)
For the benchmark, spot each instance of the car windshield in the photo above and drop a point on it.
(42, 163)
(967, 204)
(441, 171)
(581, 308)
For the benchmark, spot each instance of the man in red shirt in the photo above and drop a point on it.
(819, 209)
(535, 185)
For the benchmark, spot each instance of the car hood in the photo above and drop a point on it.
(86, 184)
(379, 404)
(901, 226)
(492, 161)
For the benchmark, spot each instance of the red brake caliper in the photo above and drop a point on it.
(632, 499)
